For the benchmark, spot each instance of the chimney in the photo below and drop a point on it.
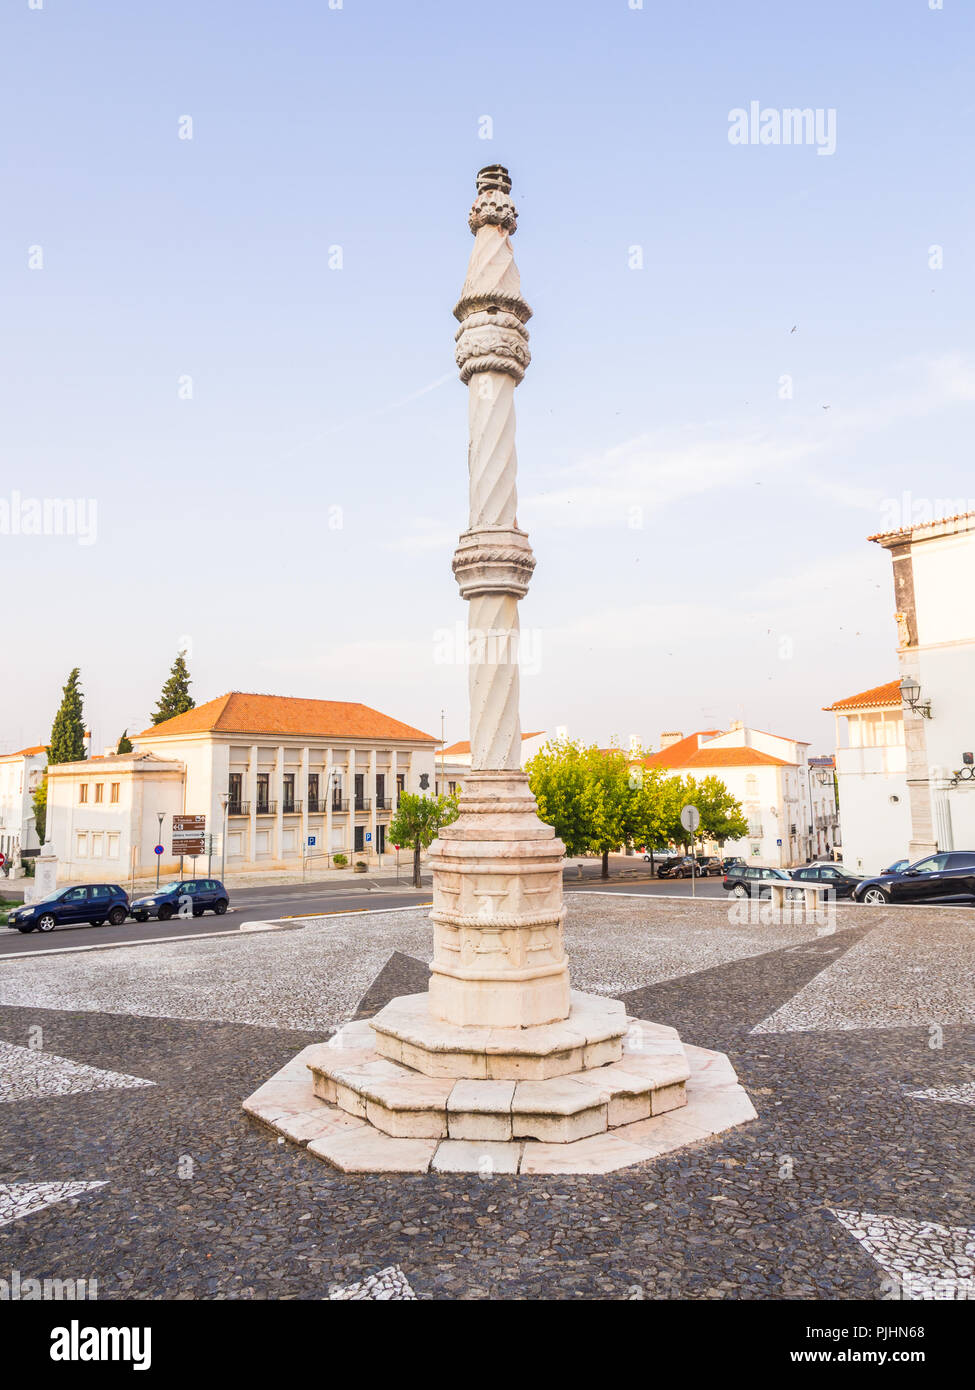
(735, 725)
(87, 743)
(668, 740)
(636, 744)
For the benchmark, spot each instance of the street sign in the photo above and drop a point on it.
(311, 841)
(3, 859)
(690, 818)
(368, 836)
(188, 834)
(779, 843)
(159, 849)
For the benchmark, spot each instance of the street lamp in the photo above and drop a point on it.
(225, 803)
(162, 817)
(911, 698)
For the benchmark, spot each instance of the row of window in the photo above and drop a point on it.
(316, 802)
(99, 792)
(96, 845)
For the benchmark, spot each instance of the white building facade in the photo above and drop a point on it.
(790, 806)
(919, 750)
(21, 774)
(294, 782)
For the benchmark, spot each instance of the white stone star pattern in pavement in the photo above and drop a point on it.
(916, 981)
(19, 1199)
(386, 1284)
(922, 1259)
(29, 1074)
(962, 1094)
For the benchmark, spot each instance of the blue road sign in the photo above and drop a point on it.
(311, 839)
(368, 836)
(779, 843)
(159, 849)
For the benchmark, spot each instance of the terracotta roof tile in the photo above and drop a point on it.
(240, 713)
(926, 525)
(874, 698)
(26, 752)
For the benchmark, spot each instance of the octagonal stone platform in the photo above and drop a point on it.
(364, 1112)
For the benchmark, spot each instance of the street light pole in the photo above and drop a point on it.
(225, 803)
(162, 817)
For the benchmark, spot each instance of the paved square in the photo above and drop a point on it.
(125, 1155)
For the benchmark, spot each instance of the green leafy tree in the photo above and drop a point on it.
(722, 817)
(40, 809)
(124, 743)
(417, 823)
(557, 775)
(68, 730)
(585, 794)
(175, 698)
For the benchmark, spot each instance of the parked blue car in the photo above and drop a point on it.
(182, 898)
(91, 902)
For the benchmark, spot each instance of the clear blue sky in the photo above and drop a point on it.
(749, 589)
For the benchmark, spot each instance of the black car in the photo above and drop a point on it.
(189, 897)
(945, 877)
(91, 902)
(709, 864)
(832, 876)
(744, 879)
(732, 861)
(677, 866)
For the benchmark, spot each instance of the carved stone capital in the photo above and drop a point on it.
(492, 561)
(493, 206)
(490, 340)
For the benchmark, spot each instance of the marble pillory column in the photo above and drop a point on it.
(497, 871)
(497, 1068)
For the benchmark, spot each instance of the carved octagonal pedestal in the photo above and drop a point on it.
(499, 1067)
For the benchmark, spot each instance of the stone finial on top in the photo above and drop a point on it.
(493, 206)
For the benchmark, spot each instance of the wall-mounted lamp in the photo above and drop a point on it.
(911, 698)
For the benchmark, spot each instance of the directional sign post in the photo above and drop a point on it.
(690, 819)
(189, 833)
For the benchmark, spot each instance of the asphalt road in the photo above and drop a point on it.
(272, 902)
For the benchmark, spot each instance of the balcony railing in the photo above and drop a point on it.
(363, 803)
(383, 803)
(238, 808)
(340, 803)
(267, 808)
(291, 808)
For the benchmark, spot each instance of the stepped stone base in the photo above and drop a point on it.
(592, 1035)
(363, 1111)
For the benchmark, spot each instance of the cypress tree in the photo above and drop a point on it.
(124, 743)
(68, 730)
(175, 698)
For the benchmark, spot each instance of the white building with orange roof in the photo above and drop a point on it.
(293, 781)
(871, 773)
(790, 807)
(922, 725)
(21, 773)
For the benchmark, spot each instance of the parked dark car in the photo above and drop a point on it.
(745, 879)
(945, 877)
(677, 866)
(709, 864)
(832, 876)
(181, 898)
(732, 861)
(90, 902)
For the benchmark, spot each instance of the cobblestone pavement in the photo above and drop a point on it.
(125, 1156)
